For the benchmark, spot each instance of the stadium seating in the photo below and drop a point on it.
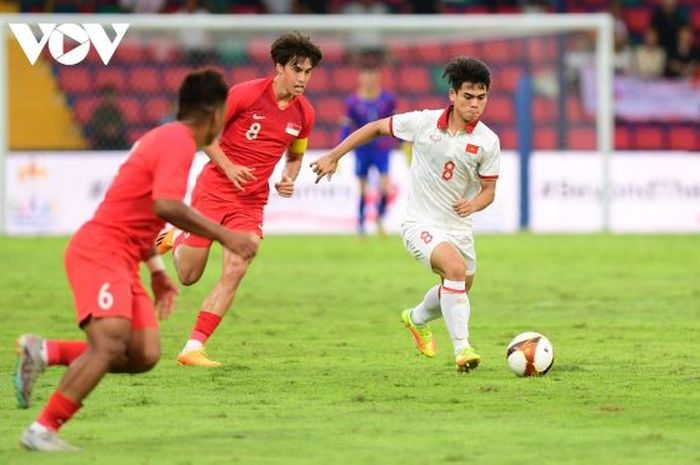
(580, 138)
(113, 76)
(147, 81)
(623, 137)
(637, 20)
(695, 19)
(650, 136)
(158, 108)
(75, 80)
(683, 137)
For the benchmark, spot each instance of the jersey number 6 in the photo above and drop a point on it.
(105, 299)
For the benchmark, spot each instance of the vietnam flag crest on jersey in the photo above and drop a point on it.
(473, 149)
(292, 129)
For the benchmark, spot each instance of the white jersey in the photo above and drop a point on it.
(445, 168)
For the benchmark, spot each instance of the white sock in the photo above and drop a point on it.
(455, 310)
(38, 427)
(429, 308)
(192, 344)
(44, 352)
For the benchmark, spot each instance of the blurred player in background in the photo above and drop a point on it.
(369, 103)
(453, 174)
(102, 263)
(264, 119)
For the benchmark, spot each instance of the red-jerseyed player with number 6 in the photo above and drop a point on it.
(102, 263)
(453, 174)
(264, 118)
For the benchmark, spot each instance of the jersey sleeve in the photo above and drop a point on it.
(172, 168)
(241, 96)
(234, 103)
(405, 126)
(489, 165)
(309, 120)
(301, 143)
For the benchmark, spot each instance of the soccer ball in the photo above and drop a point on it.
(530, 354)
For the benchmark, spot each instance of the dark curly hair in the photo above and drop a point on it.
(463, 69)
(201, 92)
(294, 46)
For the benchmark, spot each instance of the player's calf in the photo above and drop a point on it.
(30, 364)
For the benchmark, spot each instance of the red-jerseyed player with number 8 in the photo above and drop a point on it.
(264, 118)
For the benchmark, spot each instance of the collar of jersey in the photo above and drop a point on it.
(271, 93)
(444, 120)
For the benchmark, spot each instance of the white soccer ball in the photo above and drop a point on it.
(530, 354)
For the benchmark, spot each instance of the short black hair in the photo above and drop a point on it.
(372, 58)
(463, 69)
(201, 92)
(295, 46)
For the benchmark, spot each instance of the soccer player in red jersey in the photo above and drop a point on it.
(102, 263)
(264, 119)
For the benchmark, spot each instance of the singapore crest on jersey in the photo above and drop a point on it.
(292, 129)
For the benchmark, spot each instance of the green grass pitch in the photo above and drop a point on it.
(319, 370)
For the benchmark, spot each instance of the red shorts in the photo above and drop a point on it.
(107, 287)
(229, 213)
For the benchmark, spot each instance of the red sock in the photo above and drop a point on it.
(63, 352)
(179, 240)
(205, 326)
(58, 410)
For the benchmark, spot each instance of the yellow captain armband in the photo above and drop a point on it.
(299, 146)
(407, 149)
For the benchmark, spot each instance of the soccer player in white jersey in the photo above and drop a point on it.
(453, 174)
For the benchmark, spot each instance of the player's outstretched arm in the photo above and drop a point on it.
(181, 216)
(237, 174)
(328, 163)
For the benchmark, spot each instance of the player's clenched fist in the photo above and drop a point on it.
(463, 207)
(285, 187)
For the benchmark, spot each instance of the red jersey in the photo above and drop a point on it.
(157, 168)
(256, 134)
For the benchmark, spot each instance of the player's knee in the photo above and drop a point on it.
(112, 348)
(455, 271)
(189, 275)
(147, 359)
(190, 264)
(469, 282)
(233, 272)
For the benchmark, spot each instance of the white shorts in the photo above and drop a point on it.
(421, 239)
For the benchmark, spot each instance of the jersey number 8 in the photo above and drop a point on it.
(253, 131)
(448, 170)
